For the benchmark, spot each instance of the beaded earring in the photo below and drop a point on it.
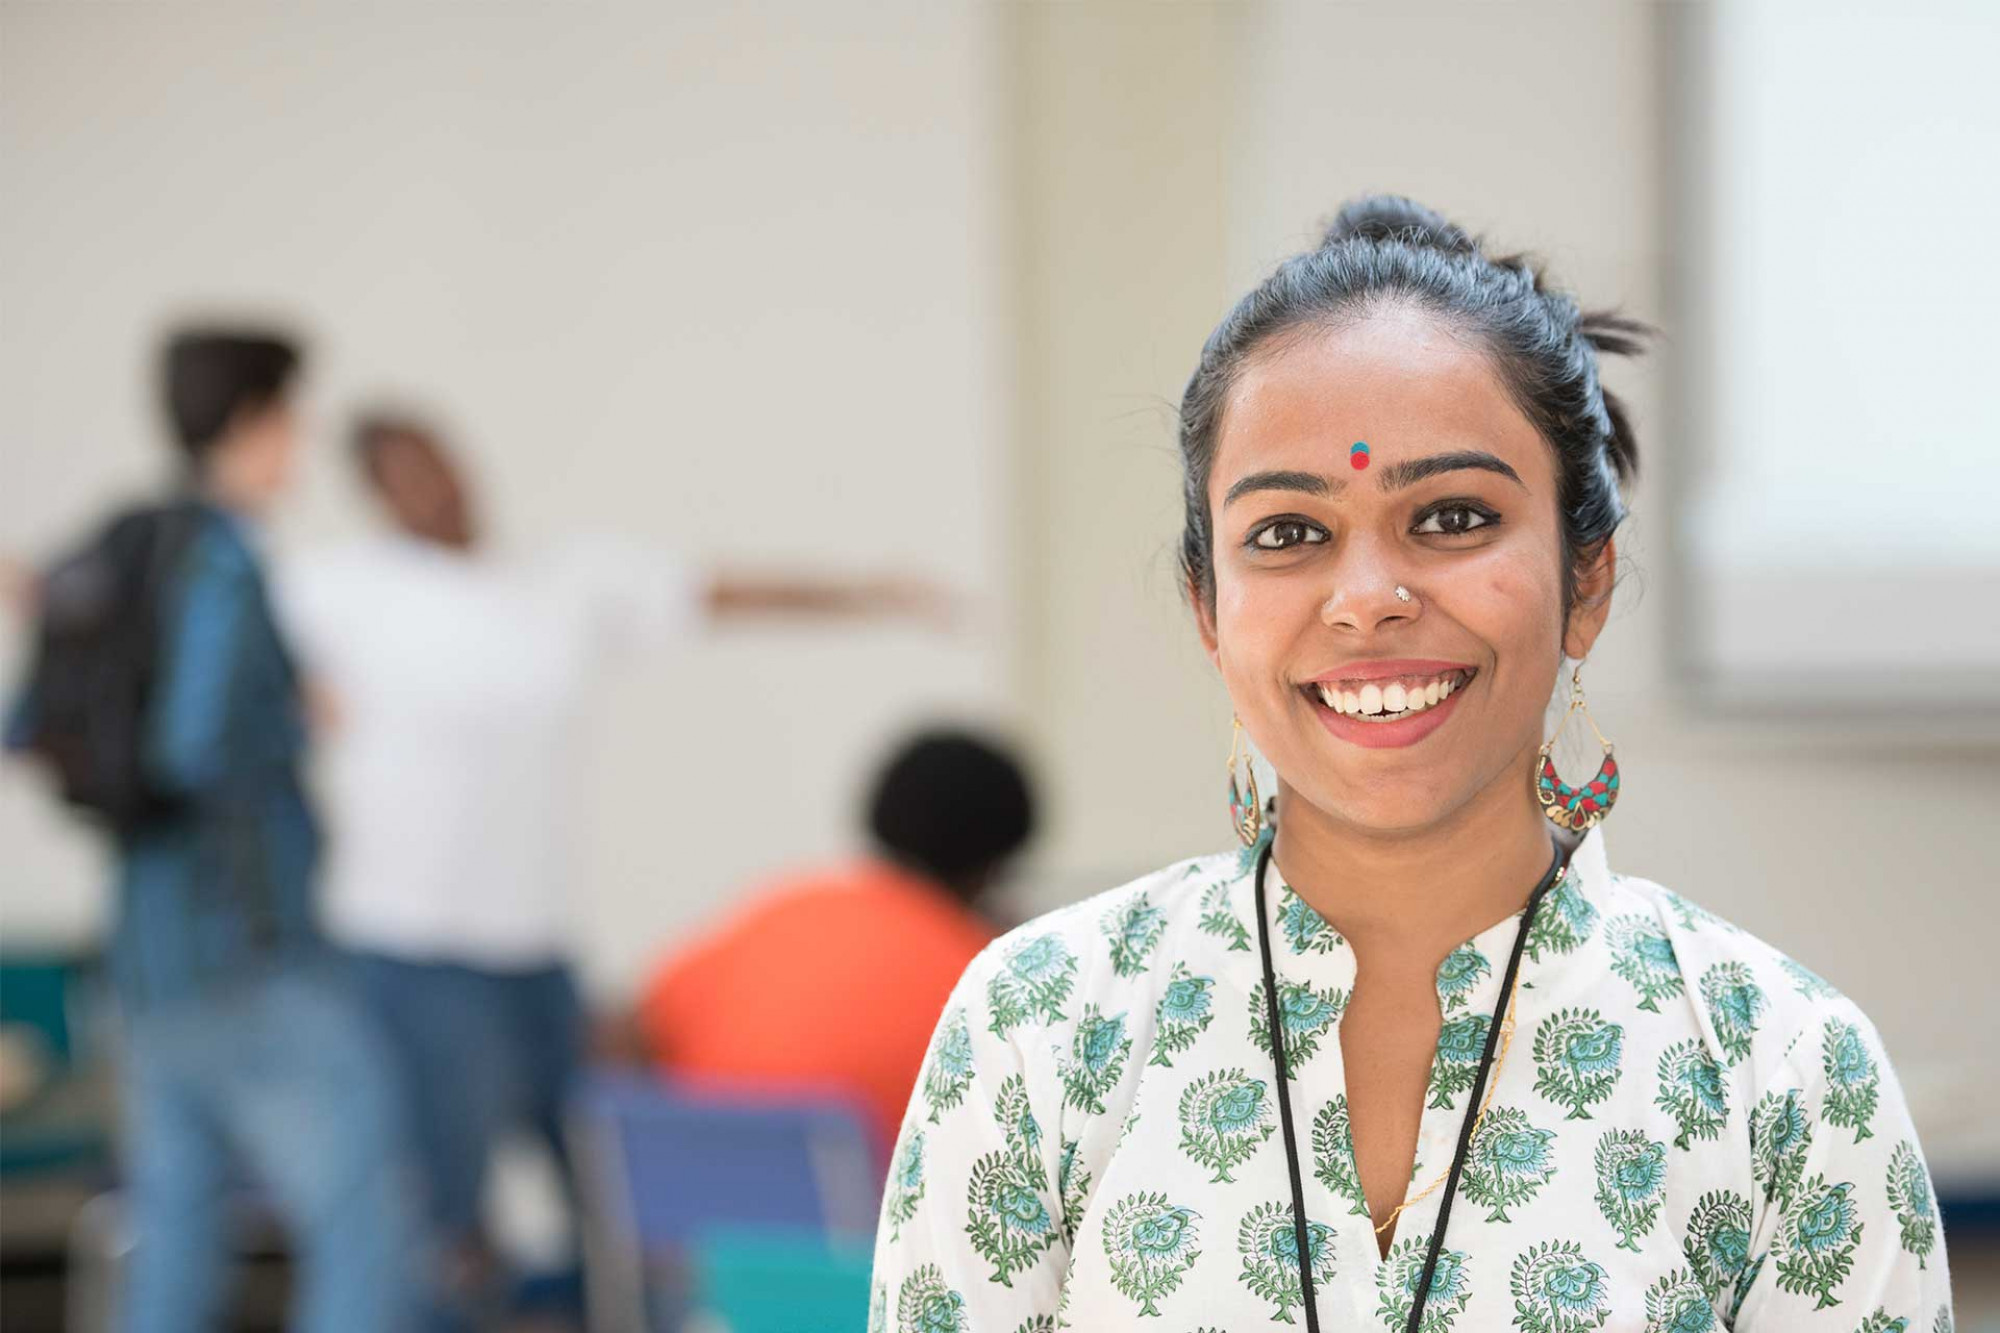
(1246, 809)
(1576, 808)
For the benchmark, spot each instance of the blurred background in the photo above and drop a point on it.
(911, 290)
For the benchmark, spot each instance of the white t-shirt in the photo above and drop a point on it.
(459, 682)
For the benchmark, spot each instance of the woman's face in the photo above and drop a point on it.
(1457, 504)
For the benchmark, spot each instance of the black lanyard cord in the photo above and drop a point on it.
(1277, 1030)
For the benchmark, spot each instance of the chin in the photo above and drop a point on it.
(1400, 806)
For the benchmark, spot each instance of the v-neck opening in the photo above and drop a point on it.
(1315, 967)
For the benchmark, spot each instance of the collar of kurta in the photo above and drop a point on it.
(1316, 965)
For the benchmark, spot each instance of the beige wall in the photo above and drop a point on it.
(1166, 157)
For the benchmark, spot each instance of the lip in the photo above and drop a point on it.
(1387, 735)
(1380, 668)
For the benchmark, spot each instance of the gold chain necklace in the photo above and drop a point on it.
(1492, 1082)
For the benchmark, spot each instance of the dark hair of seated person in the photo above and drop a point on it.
(953, 807)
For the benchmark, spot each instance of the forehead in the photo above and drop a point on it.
(1398, 379)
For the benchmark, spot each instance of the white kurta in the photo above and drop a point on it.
(1690, 1132)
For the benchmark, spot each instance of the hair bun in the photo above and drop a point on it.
(1393, 217)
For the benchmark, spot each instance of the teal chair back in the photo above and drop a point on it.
(779, 1282)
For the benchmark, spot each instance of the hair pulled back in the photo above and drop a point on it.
(1386, 250)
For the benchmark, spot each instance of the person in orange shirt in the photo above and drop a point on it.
(835, 977)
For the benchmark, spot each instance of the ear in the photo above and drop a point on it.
(1593, 601)
(1204, 622)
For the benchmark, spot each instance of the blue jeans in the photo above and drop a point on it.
(481, 1054)
(278, 1078)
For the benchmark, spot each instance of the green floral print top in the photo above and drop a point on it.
(1692, 1132)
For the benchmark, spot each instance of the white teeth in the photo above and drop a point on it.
(1387, 700)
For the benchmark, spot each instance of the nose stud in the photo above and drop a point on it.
(1328, 612)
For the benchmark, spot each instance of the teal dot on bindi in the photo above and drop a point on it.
(1357, 457)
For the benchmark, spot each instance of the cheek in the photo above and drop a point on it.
(1514, 604)
(1258, 619)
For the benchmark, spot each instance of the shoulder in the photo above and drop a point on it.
(1112, 932)
(1062, 1000)
(327, 595)
(217, 577)
(1090, 974)
(218, 550)
(1756, 1002)
(321, 575)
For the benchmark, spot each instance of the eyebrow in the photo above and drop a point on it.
(1312, 483)
(1396, 476)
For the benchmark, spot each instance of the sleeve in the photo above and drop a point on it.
(972, 1233)
(203, 644)
(1848, 1235)
(636, 599)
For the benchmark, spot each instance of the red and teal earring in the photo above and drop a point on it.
(1246, 809)
(1582, 807)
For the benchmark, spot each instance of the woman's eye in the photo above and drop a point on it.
(1452, 520)
(1287, 532)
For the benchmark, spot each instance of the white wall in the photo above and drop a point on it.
(724, 277)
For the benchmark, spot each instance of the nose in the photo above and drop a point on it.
(1365, 595)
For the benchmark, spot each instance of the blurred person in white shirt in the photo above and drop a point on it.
(452, 683)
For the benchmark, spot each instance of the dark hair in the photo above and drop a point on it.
(210, 374)
(952, 806)
(1383, 250)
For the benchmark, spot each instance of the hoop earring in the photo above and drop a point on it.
(1584, 807)
(1246, 808)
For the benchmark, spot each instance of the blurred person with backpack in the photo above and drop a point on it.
(163, 697)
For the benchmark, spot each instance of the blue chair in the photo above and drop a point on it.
(661, 1166)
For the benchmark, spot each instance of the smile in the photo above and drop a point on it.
(1388, 711)
(1389, 700)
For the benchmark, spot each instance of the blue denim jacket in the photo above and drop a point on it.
(223, 886)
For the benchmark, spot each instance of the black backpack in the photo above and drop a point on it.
(93, 662)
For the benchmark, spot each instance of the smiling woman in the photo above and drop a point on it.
(1256, 1071)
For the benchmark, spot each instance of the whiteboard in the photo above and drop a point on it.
(1840, 206)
